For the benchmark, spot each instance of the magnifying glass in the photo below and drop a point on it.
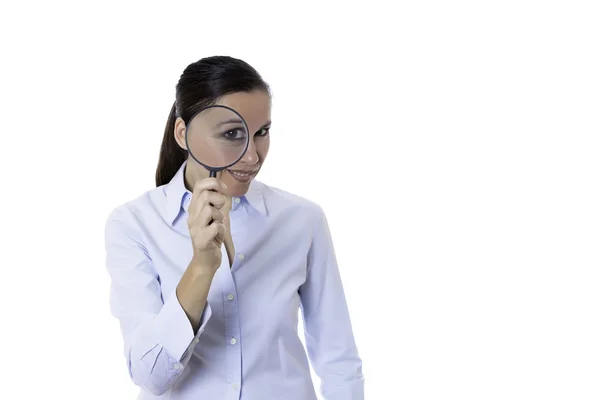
(217, 138)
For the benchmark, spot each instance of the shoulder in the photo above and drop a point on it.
(136, 210)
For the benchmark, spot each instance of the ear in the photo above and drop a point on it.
(179, 133)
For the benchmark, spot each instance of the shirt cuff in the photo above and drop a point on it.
(174, 330)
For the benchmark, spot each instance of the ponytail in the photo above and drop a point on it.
(171, 155)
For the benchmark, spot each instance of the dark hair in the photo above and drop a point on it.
(201, 84)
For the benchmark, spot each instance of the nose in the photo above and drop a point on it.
(251, 156)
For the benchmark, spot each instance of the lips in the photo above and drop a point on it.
(243, 176)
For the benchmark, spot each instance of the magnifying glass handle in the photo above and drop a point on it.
(213, 174)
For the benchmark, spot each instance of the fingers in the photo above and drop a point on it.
(207, 205)
(209, 184)
(206, 192)
(217, 231)
(215, 199)
(205, 218)
(204, 237)
(210, 214)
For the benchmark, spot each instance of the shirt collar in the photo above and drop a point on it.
(179, 197)
(254, 196)
(176, 193)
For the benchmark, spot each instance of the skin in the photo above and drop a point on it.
(208, 219)
(255, 108)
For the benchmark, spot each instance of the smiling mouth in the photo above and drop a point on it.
(242, 175)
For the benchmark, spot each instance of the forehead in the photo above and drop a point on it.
(254, 107)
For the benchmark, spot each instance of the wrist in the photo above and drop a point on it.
(196, 279)
(201, 269)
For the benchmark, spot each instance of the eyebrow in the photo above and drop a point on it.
(230, 121)
(239, 121)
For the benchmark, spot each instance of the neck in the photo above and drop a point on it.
(190, 178)
(192, 175)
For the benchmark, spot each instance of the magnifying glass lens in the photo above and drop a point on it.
(217, 137)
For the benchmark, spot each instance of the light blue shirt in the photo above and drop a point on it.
(247, 346)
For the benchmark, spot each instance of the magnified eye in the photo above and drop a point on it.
(234, 134)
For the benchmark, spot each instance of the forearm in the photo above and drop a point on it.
(160, 330)
(160, 348)
(192, 292)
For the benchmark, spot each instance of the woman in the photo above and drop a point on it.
(209, 310)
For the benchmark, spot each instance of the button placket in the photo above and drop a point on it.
(232, 330)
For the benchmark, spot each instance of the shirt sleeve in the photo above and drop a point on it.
(328, 332)
(158, 336)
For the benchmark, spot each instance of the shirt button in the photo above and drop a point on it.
(241, 256)
(230, 296)
(237, 200)
(177, 366)
(235, 386)
(196, 340)
(233, 341)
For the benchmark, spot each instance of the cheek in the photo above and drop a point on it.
(262, 147)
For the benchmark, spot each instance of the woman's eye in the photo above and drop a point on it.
(239, 134)
(233, 134)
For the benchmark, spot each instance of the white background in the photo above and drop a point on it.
(453, 145)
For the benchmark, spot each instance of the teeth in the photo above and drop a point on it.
(241, 174)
